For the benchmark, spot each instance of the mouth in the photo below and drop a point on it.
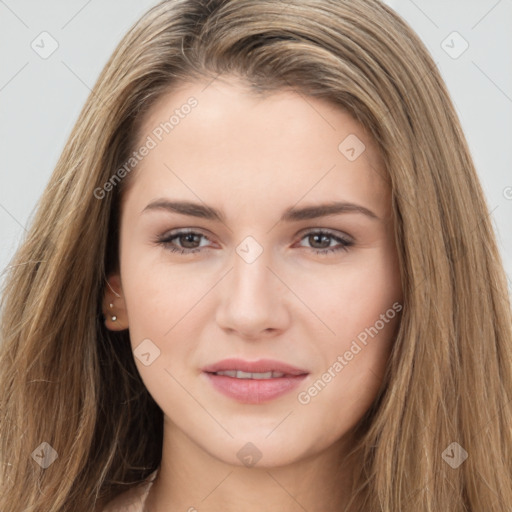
(239, 374)
(253, 382)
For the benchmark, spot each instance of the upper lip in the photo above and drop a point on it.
(259, 366)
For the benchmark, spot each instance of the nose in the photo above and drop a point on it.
(253, 299)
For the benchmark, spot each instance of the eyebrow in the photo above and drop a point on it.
(291, 214)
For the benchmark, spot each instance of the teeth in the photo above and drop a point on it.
(238, 374)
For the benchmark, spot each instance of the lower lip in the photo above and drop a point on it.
(254, 391)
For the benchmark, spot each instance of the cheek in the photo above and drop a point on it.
(363, 312)
(162, 302)
(353, 297)
(157, 312)
(342, 391)
(157, 294)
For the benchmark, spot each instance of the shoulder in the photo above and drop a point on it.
(131, 500)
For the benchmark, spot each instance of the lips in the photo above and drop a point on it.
(259, 366)
(253, 382)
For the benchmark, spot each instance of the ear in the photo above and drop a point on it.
(114, 307)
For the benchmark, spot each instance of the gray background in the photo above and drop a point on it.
(40, 98)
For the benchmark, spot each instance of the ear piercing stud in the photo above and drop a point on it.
(113, 317)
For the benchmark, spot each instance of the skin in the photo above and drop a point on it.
(252, 158)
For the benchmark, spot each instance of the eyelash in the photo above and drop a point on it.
(166, 242)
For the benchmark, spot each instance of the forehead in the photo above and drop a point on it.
(235, 145)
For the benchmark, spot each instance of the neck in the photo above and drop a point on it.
(190, 479)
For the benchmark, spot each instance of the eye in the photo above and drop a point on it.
(324, 238)
(188, 240)
(183, 236)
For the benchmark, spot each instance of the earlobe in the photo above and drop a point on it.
(114, 307)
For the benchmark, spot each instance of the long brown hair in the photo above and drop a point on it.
(69, 382)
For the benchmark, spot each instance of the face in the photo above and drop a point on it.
(252, 270)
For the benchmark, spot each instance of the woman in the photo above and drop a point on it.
(174, 339)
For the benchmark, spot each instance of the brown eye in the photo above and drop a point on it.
(324, 239)
(187, 241)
